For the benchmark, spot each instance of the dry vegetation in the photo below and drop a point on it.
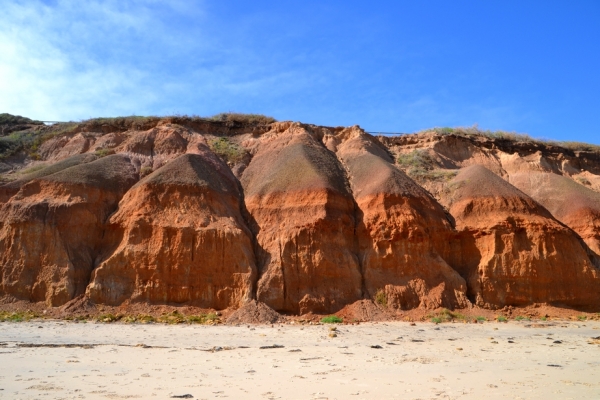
(31, 134)
(420, 165)
(230, 152)
(513, 137)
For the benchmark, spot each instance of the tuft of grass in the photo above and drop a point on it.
(436, 320)
(104, 152)
(512, 137)
(332, 319)
(203, 319)
(420, 165)
(172, 318)
(230, 152)
(145, 171)
(17, 316)
(581, 317)
(108, 318)
(480, 319)
(243, 118)
(30, 170)
(446, 315)
(145, 319)
(381, 298)
(543, 318)
(521, 318)
(501, 318)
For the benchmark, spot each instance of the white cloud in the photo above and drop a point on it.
(74, 60)
(77, 59)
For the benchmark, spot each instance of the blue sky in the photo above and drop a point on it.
(397, 66)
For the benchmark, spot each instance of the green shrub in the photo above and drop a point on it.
(480, 318)
(17, 316)
(108, 318)
(230, 152)
(172, 318)
(145, 319)
(436, 320)
(9, 119)
(501, 318)
(332, 319)
(521, 318)
(203, 318)
(381, 298)
(581, 317)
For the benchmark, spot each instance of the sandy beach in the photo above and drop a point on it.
(395, 360)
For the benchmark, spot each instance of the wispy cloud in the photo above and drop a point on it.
(71, 60)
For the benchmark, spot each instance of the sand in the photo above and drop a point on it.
(516, 360)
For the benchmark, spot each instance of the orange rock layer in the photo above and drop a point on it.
(301, 218)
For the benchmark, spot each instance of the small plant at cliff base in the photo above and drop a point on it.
(521, 318)
(436, 320)
(227, 150)
(210, 319)
(581, 317)
(381, 298)
(109, 318)
(332, 319)
(173, 318)
(481, 319)
(501, 318)
(145, 319)
(543, 318)
(17, 316)
(446, 315)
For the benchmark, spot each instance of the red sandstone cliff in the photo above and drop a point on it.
(511, 250)
(300, 217)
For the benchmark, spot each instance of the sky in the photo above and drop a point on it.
(389, 66)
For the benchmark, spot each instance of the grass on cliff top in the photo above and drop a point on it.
(9, 119)
(28, 141)
(512, 137)
(243, 118)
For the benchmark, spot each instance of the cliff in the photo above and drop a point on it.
(218, 213)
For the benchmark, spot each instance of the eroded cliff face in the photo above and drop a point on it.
(511, 250)
(183, 240)
(571, 203)
(304, 223)
(300, 217)
(402, 232)
(52, 231)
